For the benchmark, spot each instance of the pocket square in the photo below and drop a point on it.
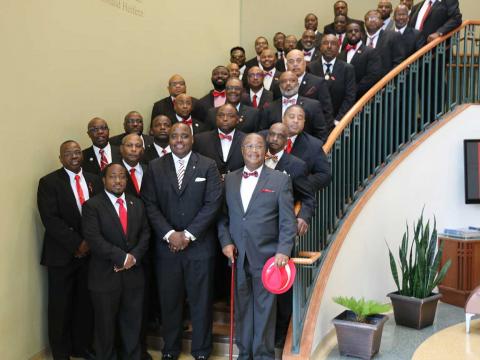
(200, 179)
(267, 191)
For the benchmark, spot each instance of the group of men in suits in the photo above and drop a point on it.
(132, 220)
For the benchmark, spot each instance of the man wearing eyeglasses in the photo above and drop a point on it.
(101, 153)
(258, 223)
(255, 95)
(132, 124)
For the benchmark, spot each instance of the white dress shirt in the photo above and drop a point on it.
(242, 71)
(351, 53)
(285, 106)
(308, 58)
(107, 151)
(83, 185)
(181, 120)
(247, 186)
(422, 12)
(176, 159)
(138, 172)
(324, 62)
(160, 150)
(401, 30)
(258, 93)
(267, 80)
(373, 37)
(271, 163)
(226, 144)
(116, 205)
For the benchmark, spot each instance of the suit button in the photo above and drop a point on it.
(243, 219)
(183, 214)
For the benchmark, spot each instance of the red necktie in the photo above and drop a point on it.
(288, 148)
(188, 121)
(427, 12)
(103, 159)
(122, 213)
(225, 137)
(350, 47)
(81, 197)
(340, 40)
(254, 102)
(134, 180)
(218, 93)
(246, 174)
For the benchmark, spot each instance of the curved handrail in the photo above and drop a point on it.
(348, 117)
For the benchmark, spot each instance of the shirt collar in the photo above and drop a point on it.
(185, 158)
(258, 170)
(106, 148)
(331, 62)
(401, 30)
(72, 175)
(181, 119)
(258, 93)
(137, 167)
(278, 154)
(374, 35)
(290, 98)
(230, 133)
(114, 198)
(293, 138)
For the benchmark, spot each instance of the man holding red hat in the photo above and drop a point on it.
(259, 223)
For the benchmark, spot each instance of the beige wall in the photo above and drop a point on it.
(65, 61)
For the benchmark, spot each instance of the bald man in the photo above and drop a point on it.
(101, 153)
(176, 85)
(132, 124)
(308, 44)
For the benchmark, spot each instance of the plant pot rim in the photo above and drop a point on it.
(382, 318)
(432, 297)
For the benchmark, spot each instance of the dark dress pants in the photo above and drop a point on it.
(175, 276)
(70, 312)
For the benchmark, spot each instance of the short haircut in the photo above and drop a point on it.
(237, 48)
(254, 134)
(294, 106)
(130, 113)
(105, 169)
(279, 33)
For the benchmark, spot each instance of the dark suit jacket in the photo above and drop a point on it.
(389, 51)
(265, 99)
(330, 28)
(314, 120)
(109, 244)
(251, 63)
(90, 162)
(444, 17)
(280, 65)
(316, 51)
(342, 86)
(194, 207)
(412, 41)
(208, 144)
(318, 41)
(367, 68)
(267, 227)
(309, 149)
(165, 107)
(60, 216)
(249, 119)
(130, 189)
(117, 139)
(297, 169)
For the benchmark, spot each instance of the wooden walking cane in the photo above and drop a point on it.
(232, 288)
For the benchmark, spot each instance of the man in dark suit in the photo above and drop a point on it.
(116, 229)
(289, 44)
(340, 23)
(233, 70)
(223, 143)
(132, 124)
(215, 97)
(364, 59)
(267, 64)
(315, 120)
(311, 23)
(160, 128)
(311, 86)
(385, 9)
(411, 39)
(341, 8)
(261, 43)
(339, 75)
(182, 192)
(183, 113)
(279, 44)
(384, 41)
(307, 148)
(258, 223)
(308, 45)
(249, 117)
(237, 56)
(65, 252)
(255, 95)
(131, 151)
(176, 86)
(101, 153)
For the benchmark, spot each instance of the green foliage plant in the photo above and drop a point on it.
(419, 261)
(362, 308)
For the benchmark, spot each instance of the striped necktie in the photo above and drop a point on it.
(180, 172)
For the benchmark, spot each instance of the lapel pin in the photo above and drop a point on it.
(91, 159)
(131, 202)
(327, 77)
(196, 124)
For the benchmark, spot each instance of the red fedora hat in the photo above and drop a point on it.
(278, 280)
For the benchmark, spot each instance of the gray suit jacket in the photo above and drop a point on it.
(268, 226)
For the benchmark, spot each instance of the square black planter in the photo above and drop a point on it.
(357, 339)
(413, 312)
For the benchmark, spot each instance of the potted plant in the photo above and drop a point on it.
(414, 303)
(359, 329)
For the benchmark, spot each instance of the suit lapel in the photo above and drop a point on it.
(172, 173)
(112, 212)
(69, 191)
(234, 145)
(415, 15)
(130, 215)
(260, 185)
(237, 181)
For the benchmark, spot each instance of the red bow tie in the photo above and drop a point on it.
(187, 121)
(218, 93)
(307, 53)
(225, 137)
(289, 101)
(268, 73)
(269, 156)
(247, 174)
(350, 47)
